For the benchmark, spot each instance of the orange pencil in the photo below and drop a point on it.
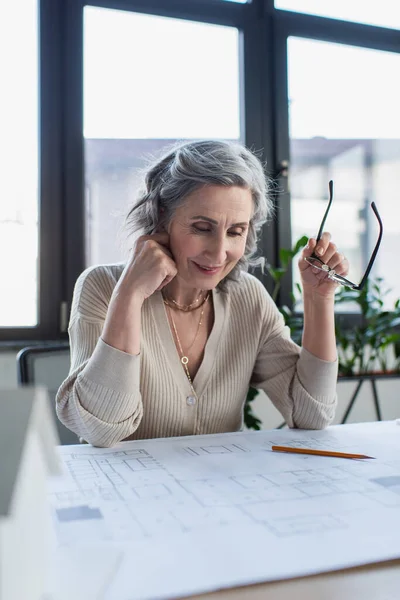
(317, 452)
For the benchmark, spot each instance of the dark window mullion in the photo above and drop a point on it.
(73, 160)
(281, 118)
(258, 101)
(340, 32)
(207, 11)
(50, 279)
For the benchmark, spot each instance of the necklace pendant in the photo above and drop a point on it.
(184, 360)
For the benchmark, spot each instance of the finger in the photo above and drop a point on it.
(165, 281)
(306, 252)
(322, 245)
(335, 260)
(343, 267)
(161, 238)
(309, 249)
(329, 254)
(166, 251)
(154, 245)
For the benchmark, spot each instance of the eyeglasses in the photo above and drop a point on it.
(317, 263)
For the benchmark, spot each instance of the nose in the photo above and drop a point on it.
(217, 250)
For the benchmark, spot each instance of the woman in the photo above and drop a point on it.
(168, 344)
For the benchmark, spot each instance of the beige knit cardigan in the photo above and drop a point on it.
(110, 395)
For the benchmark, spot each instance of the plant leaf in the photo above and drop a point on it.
(301, 243)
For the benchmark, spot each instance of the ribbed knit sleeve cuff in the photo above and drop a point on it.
(317, 376)
(113, 369)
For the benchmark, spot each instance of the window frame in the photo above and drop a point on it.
(50, 280)
(256, 102)
(264, 30)
(288, 24)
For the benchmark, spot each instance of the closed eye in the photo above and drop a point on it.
(201, 229)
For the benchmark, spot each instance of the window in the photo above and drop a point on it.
(157, 80)
(90, 92)
(345, 127)
(20, 164)
(384, 13)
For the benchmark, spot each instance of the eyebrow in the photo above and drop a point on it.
(203, 218)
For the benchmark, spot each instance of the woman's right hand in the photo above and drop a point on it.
(150, 268)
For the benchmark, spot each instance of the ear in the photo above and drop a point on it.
(162, 226)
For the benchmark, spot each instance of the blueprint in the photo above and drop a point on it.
(173, 517)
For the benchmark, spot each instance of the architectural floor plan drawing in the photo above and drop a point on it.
(209, 511)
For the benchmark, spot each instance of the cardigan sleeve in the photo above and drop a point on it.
(300, 385)
(100, 400)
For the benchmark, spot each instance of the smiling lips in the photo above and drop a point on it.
(208, 270)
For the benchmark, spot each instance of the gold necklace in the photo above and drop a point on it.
(185, 307)
(184, 358)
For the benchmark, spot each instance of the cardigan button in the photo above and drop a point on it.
(190, 400)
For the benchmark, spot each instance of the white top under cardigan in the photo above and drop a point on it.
(110, 395)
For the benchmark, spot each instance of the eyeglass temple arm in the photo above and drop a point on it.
(375, 252)
(321, 229)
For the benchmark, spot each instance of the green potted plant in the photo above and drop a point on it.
(372, 345)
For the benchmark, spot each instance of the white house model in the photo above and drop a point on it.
(27, 456)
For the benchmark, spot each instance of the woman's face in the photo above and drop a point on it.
(208, 234)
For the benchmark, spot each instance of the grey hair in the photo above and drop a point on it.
(191, 165)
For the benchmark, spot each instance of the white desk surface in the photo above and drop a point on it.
(377, 581)
(370, 582)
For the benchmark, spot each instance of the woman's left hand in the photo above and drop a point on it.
(314, 279)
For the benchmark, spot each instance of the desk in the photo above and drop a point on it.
(372, 582)
(209, 512)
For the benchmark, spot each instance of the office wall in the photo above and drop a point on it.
(388, 391)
